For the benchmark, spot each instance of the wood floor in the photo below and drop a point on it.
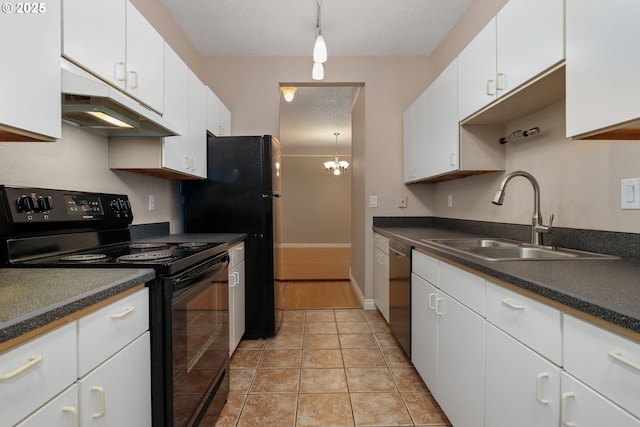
(310, 294)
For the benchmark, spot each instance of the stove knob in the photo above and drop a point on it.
(45, 203)
(26, 203)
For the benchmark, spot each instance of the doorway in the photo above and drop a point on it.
(315, 253)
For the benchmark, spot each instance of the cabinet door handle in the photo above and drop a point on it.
(500, 82)
(74, 414)
(100, 391)
(438, 312)
(132, 80)
(119, 71)
(563, 409)
(33, 361)
(489, 84)
(431, 304)
(125, 313)
(618, 356)
(538, 393)
(235, 278)
(511, 305)
(452, 159)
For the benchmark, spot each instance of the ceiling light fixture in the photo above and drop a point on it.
(337, 166)
(319, 49)
(288, 93)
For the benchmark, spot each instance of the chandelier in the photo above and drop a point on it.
(337, 166)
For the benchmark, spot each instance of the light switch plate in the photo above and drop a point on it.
(630, 193)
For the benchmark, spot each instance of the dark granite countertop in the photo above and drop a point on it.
(608, 289)
(31, 298)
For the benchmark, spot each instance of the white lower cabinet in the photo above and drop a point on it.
(117, 392)
(424, 335)
(522, 387)
(381, 274)
(584, 407)
(236, 295)
(95, 371)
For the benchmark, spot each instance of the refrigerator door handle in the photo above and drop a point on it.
(268, 195)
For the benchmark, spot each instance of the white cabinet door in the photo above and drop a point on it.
(460, 386)
(95, 37)
(225, 120)
(117, 393)
(424, 330)
(381, 282)
(530, 39)
(145, 60)
(236, 305)
(443, 133)
(409, 172)
(522, 388)
(30, 76)
(197, 135)
(477, 72)
(218, 115)
(583, 407)
(176, 110)
(602, 65)
(59, 412)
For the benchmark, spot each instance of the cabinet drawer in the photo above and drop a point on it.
(425, 267)
(48, 365)
(59, 412)
(104, 332)
(382, 243)
(463, 286)
(533, 323)
(603, 360)
(236, 254)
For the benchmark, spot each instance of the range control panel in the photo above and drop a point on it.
(61, 209)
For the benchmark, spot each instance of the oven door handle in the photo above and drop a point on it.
(197, 273)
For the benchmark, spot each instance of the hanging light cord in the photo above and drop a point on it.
(318, 29)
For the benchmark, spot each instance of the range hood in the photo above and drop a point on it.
(97, 107)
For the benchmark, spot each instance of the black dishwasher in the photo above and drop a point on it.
(400, 292)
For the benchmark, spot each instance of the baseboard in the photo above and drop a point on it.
(367, 304)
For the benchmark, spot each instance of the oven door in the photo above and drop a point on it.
(199, 342)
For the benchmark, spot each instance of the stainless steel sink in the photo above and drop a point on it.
(490, 249)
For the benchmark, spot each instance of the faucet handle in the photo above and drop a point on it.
(551, 217)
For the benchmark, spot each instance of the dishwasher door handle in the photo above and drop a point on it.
(398, 254)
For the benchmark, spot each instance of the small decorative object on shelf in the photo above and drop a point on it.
(520, 134)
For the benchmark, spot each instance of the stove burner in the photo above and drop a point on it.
(192, 245)
(84, 257)
(147, 245)
(146, 256)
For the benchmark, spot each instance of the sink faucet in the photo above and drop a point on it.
(537, 227)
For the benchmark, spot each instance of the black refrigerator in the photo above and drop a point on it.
(241, 195)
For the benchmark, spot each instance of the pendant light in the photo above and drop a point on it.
(288, 93)
(319, 49)
(337, 166)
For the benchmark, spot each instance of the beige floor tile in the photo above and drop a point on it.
(280, 359)
(363, 358)
(276, 381)
(291, 327)
(379, 326)
(358, 341)
(245, 359)
(231, 411)
(324, 410)
(240, 380)
(373, 315)
(269, 410)
(320, 328)
(408, 379)
(321, 341)
(320, 316)
(424, 409)
(379, 409)
(353, 328)
(284, 341)
(370, 380)
(395, 357)
(251, 344)
(323, 381)
(322, 358)
(297, 315)
(350, 316)
(387, 340)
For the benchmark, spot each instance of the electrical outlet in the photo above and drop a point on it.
(450, 201)
(402, 202)
(152, 202)
(630, 193)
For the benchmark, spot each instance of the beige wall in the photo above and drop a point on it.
(316, 206)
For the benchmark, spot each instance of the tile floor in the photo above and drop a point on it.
(328, 367)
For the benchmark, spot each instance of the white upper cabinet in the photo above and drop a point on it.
(111, 39)
(603, 65)
(197, 136)
(523, 41)
(415, 140)
(30, 76)
(218, 115)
